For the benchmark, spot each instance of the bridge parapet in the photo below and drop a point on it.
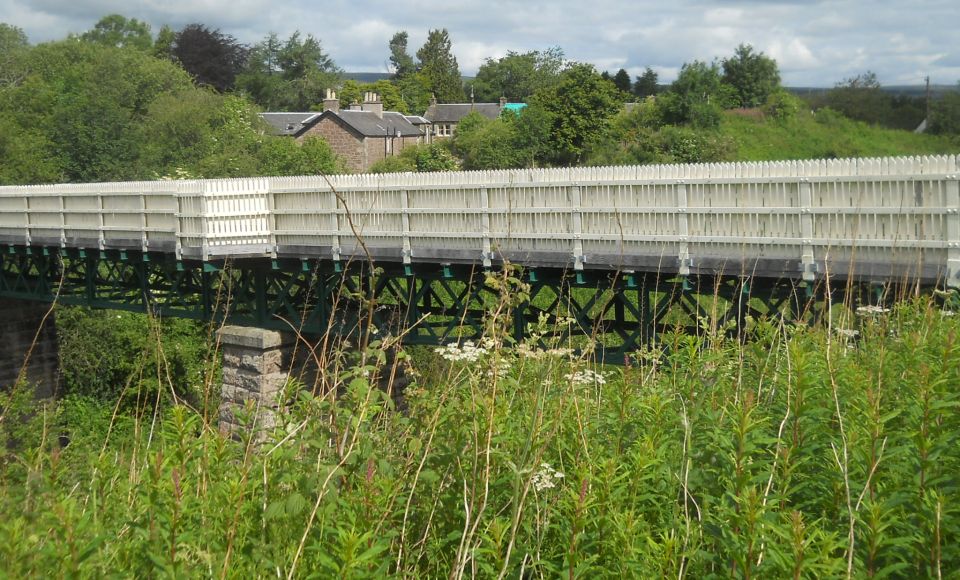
(875, 218)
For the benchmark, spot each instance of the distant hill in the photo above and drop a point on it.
(905, 90)
(366, 77)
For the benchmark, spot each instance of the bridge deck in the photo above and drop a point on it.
(873, 218)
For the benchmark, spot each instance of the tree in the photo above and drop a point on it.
(400, 59)
(299, 58)
(199, 133)
(211, 57)
(13, 46)
(414, 92)
(82, 105)
(163, 45)
(262, 79)
(697, 96)
(753, 75)
(862, 98)
(622, 81)
(439, 68)
(945, 114)
(12, 38)
(516, 76)
(307, 71)
(120, 32)
(288, 75)
(646, 85)
(577, 111)
(484, 143)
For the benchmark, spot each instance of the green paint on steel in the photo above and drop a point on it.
(612, 314)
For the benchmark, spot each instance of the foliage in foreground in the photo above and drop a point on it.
(799, 453)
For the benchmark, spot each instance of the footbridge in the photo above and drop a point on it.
(612, 255)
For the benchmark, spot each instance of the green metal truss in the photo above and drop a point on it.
(613, 313)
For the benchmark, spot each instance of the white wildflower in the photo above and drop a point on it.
(469, 352)
(871, 310)
(847, 332)
(500, 368)
(546, 478)
(947, 313)
(586, 377)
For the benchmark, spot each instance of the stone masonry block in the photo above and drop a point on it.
(257, 338)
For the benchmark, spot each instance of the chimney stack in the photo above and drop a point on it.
(330, 102)
(373, 104)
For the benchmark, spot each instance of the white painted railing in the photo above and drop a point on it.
(873, 217)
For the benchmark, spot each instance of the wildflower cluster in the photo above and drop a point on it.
(586, 377)
(871, 310)
(499, 368)
(469, 352)
(546, 478)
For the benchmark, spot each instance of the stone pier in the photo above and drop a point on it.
(20, 321)
(256, 366)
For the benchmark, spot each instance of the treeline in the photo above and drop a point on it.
(120, 103)
(107, 105)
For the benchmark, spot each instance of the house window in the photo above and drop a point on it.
(443, 129)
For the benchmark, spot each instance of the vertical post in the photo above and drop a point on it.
(335, 226)
(953, 230)
(576, 225)
(204, 223)
(487, 252)
(100, 237)
(178, 225)
(63, 220)
(407, 251)
(683, 226)
(808, 264)
(256, 364)
(26, 220)
(271, 217)
(143, 223)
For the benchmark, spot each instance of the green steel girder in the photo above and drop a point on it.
(616, 313)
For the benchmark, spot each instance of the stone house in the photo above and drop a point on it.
(361, 135)
(444, 118)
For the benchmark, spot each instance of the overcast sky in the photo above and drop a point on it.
(816, 43)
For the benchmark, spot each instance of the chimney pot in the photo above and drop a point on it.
(331, 103)
(372, 103)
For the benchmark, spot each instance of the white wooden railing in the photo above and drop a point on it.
(876, 217)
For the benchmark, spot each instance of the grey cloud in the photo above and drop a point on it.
(816, 42)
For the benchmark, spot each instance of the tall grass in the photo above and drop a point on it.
(798, 452)
(826, 134)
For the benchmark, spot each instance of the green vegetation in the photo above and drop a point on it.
(824, 134)
(801, 452)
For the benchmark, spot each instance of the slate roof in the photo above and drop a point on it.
(418, 120)
(364, 123)
(454, 112)
(368, 124)
(289, 123)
